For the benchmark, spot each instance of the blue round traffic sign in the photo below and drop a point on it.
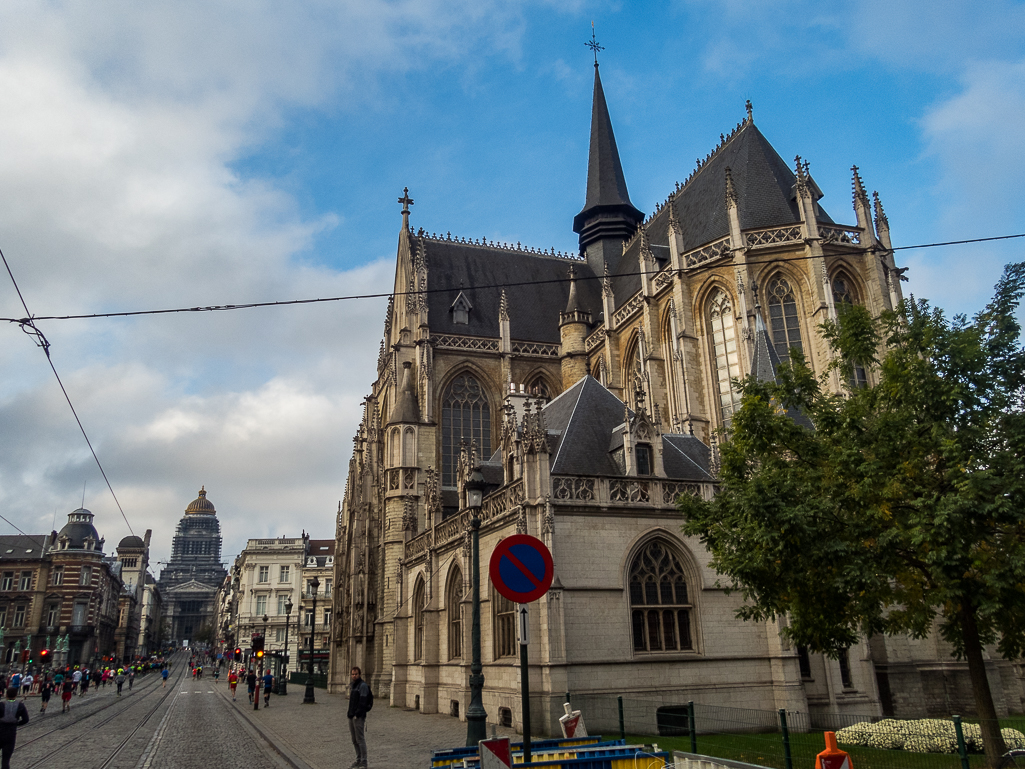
(521, 568)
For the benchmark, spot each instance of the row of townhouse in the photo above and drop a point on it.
(60, 592)
(281, 589)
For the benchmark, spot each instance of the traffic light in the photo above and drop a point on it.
(238, 652)
(258, 646)
(44, 656)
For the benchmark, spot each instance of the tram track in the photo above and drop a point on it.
(92, 727)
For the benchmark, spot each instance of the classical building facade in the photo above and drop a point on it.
(24, 578)
(138, 605)
(591, 389)
(265, 579)
(319, 564)
(189, 581)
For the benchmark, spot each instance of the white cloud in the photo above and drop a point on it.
(120, 126)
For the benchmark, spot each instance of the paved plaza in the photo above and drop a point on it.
(317, 735)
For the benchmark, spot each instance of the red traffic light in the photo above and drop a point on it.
(259, 653)
(238, 651)
(44, 655)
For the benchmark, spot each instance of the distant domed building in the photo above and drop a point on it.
(190, 580)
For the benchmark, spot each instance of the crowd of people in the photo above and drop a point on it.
(70, 680)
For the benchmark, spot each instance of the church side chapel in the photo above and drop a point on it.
(591, 399)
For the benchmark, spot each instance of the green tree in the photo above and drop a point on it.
(904, 508)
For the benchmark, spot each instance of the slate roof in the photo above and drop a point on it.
(533, 309)
(606, 183)
(765, 192)
(764, 362)
(23, 547)
(583, 422)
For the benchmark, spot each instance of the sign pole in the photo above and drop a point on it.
(524, 680)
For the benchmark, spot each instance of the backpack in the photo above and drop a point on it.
(9, 714)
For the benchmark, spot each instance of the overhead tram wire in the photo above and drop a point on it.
(28, 325)
(29, 321)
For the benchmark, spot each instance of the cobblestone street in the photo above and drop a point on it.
(194, 723)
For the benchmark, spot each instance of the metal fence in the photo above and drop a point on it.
(784, 739)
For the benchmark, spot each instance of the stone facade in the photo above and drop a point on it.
(591, 399)
(189, 581)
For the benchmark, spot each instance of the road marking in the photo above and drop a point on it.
(146, 759)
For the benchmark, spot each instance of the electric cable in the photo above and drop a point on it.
(28, 325)
(352, 297)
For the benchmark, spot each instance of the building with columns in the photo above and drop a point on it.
(591, 389)
(189, 581)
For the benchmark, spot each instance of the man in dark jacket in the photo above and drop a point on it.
(359, 702)
(14, 714)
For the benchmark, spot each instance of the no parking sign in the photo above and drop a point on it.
(521, 568)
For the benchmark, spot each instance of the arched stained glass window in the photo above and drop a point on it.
(660, 604)
(465, 416)
(725, 352)
(454, 602)
(419, 604)
(844, 292)
(786, 326)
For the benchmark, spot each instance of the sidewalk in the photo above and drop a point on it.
(317, 736)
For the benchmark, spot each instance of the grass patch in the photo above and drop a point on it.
(767, 750)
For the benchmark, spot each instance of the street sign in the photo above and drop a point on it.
(524, 625)
(521, 568)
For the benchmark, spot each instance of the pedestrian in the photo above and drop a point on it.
(251, 683)
(76, 678)
(131, 678)
(361, 700)
(44, 694)
(67, 689)
(268, 683)
(14, 714)
(119, 679)
(164, 674)
(232, 683)
(26, 684)
(85, 684)
(15, 680)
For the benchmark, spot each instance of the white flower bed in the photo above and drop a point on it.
(927, 735)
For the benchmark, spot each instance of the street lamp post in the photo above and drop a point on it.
(283, 684)
(476, 716)
(308, 698)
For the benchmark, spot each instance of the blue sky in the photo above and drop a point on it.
(191, 154)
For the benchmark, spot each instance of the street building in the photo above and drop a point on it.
(589, 389)
(188, 583)
(318, 566)
(139, 603)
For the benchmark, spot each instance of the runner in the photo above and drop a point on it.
(131, 678)
(76, 678)
(251, 683)
(119, 679)
(26, 684)
(14, 714)
(164, 674)
(67, 689)
(232, 683)
(85, 683)
(44, 694)
(268, 682)
(15, 680)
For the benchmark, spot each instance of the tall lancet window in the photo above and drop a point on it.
(724, 348)
(786, 326)
(465, 417)
(844, 292)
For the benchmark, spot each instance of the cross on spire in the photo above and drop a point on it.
(406, 202)
(593, 45)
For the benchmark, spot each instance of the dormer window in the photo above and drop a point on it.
(643, 454)
(461, 310)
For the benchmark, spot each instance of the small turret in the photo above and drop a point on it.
(574, 324)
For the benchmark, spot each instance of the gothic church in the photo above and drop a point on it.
(590, 388)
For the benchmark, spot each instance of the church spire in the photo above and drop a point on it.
(608, 217)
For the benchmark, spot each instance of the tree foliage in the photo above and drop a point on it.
(905, 507)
